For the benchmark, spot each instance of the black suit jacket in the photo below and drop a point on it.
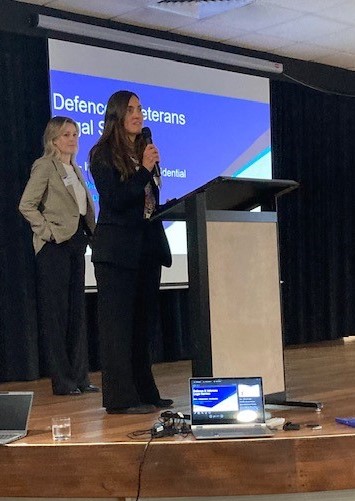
(122, 236)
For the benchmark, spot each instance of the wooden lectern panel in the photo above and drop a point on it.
(245, 312)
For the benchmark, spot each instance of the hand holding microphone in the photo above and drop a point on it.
(151, 153)
(150, 158)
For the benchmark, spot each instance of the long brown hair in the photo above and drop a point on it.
(114, 139)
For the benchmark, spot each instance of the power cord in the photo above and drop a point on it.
(140, 469)
(169, 424)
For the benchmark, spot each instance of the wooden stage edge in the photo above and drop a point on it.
(101, 461)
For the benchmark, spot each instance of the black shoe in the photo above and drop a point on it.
(139, 409)
(164, 403)
(90, 388)
(76, 391)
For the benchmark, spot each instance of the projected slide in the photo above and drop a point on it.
(205, 122)
(199, 136)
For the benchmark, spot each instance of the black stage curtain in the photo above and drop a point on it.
(24, 110)
(313, 138)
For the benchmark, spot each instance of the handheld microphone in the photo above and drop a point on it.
(147, 134)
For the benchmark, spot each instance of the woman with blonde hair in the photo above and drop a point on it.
(60, 210)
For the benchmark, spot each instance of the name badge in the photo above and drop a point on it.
(67, 181)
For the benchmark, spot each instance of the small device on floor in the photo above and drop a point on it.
(349, 421)
(275, 423)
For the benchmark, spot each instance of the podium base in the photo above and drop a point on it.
(280, 399)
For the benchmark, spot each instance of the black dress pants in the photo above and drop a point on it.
(127, 318)
(61, 310)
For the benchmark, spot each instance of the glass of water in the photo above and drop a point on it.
(61, 428)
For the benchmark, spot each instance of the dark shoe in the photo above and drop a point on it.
(163, 403)
(139, 409)
(90, 388)
(76, 391)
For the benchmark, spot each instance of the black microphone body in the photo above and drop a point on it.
(147, 134)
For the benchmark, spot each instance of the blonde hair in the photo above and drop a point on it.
(52, 131)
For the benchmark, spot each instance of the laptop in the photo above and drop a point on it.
(228, 407)
(15, 407)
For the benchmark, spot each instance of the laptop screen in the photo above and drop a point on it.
(227, 400)
(14, 410)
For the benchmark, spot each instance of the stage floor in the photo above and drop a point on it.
(101, 460)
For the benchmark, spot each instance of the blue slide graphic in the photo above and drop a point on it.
(199, 136)
(213, 396)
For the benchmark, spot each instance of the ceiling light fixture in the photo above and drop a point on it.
(149, 42)
(198, 9)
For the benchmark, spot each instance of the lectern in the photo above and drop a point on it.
(234, 284)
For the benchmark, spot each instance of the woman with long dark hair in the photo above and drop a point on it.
(128, 252)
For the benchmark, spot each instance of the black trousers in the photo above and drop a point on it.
(61, 311)
(128, 315)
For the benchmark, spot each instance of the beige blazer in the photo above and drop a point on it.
(50, 206)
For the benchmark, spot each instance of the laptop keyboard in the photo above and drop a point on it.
(7, 436)
(246, 432)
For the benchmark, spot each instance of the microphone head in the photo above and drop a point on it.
(147, 134)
